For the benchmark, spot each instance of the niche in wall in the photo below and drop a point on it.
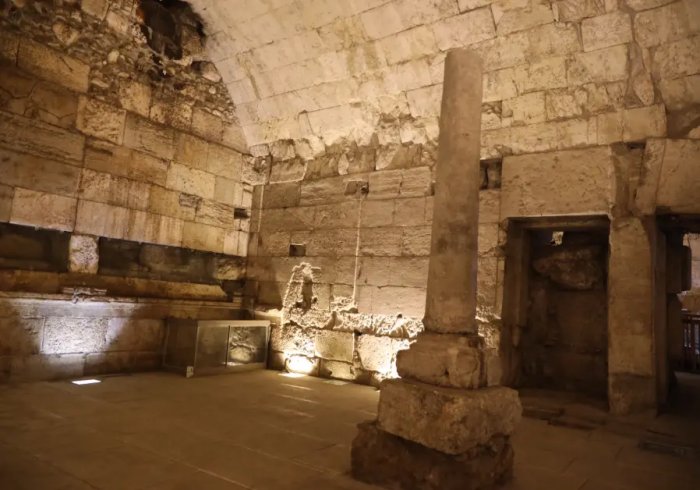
(29, 248)
(560, 276)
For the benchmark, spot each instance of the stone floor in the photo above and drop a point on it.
(262, 430)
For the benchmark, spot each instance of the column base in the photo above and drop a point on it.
(390, 461)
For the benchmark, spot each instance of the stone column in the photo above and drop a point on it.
(451, 295)
(440, 426)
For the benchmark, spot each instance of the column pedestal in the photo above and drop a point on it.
(384, 459)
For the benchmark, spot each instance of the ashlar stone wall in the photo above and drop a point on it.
(100, 136)
(115, 148)
(558, 73)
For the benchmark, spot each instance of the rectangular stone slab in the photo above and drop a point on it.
(453, 361)
(384, 459)
(450, 420)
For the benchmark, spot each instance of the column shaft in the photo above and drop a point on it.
(451, 294)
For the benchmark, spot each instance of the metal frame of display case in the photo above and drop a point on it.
(185, 341)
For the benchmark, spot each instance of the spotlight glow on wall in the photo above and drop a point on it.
(300, 365)
(81, 382)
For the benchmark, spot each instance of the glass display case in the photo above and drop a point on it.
(195, 347)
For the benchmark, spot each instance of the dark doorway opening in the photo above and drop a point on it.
(555, 304)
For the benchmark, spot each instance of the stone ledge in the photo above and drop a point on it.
(450, 420)
(384, 459)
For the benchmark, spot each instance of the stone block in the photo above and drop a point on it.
(381, 242)
(377, 213)
(681, 92)
(600, 66)
(662, 25)
(629, 393)
(606, 30)
(444, 360)
(53, 104)
(20, 336)
(678, 186)
(224, 162)
(554, 39)
(141, 134)
(35, 137)
(9, 45)
(378, 354)
(288, 171)
(408, 272)
(631, 293)
(465, 29)
(207, 125)
(375, 271)
(416, 182)
(229, 269)
(489, 206)
(228, 191)
(292, 340)
(135, 97)
(526, 109)
(96, 8)
(573, 10)
(6, 195)
(546, 74)
(292, 219)
(172, 203)
(203, 237)
(42, 209)
(53, 66)
(392, 300)
(94, 218)
(332, 243)
(74, 335)
(380, 458)
(513, 20)
(143, 226)
(676, 59)
(275, 244)
(176, 114)
(385, 185)
(644, 122)
(191, 181)
(410, 212)
(134, 334)
(541, 185)
(336, 370)
(334, 346)
(424, 102)
(214, 213)
(337, 215)
(449, 420)
(122, 161)
(415, 241)
(282, 195)
(170, 231)
(39, 174)
(83, 255)
(103, 187)
(191, 151)
(323, 191)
